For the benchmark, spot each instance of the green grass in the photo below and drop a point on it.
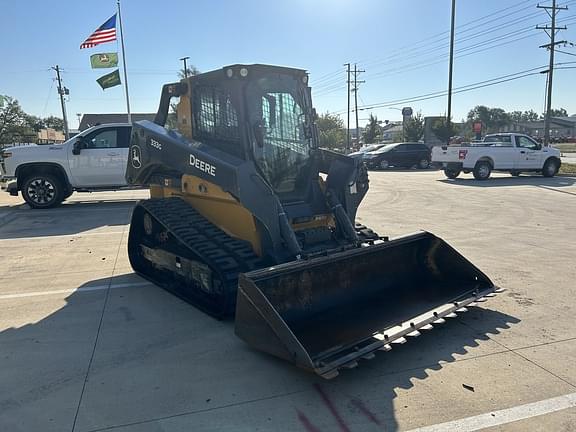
(566, 147)
(567, 169)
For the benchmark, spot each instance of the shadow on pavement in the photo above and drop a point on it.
(536, 180)
(159, 359)
(79, 217)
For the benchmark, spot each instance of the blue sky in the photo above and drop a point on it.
(402, 45)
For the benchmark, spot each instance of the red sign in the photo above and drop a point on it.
(477, 127)
(462, 154)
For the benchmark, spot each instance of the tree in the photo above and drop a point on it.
(13, 122)
(561, 112)
(442, 131)
(192, 70)
(530, 115)
(372, 131)
(331, 131)
(493, 119)
(55, 123)
(414, 128)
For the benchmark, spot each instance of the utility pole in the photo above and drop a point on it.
(551, 11)
(62, 91)
(450, 70)
(355, 90)
(348, 120)
(183, 59)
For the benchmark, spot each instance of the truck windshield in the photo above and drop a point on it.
(279, 113)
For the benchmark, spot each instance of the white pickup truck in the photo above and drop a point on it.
(48, 174)
(515, 153)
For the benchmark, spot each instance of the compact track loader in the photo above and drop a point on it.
(249, 217)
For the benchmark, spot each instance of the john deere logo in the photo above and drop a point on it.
(103, 58)
(135, 157)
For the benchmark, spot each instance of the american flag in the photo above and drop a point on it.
(105, 33)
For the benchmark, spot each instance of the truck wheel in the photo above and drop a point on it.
(42, 191)
(383, 164)
(482, 170)
(451, 173)
(550, 168)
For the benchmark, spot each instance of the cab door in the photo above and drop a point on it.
(102, 158)
(529, 154)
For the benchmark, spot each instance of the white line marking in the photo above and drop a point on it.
(70, 291)
(64, 236)
(504, 416)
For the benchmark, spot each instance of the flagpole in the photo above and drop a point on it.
(124, 63)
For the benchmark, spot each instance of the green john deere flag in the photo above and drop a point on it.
(104, 60)
(109, 80)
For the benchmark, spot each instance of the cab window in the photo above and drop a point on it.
(107, 138)
(527, 143)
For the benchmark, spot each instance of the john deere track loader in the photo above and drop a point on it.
(249, 217)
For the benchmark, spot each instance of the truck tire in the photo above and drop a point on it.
(451, 173)
(384, 164)
(550, 168)
(43, 191)
(482, 170)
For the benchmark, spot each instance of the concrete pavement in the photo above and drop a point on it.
(86, 345)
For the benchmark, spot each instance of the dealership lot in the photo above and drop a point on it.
(86, 345)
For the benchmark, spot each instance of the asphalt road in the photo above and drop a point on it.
(85, 345)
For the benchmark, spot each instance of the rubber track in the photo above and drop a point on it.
(225, 255)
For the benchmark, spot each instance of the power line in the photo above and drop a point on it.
(552, 12)
(461, 89)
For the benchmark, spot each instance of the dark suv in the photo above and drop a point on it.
(405, 155)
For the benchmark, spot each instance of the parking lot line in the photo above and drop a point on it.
(496, 418)
(74, 290)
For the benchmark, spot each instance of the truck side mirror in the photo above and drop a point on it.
(78, 145)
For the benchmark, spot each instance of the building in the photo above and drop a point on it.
(560, 127)
(89, 120)
(50, 136)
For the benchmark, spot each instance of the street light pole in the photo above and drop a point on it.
(183, 59)
(450, 70)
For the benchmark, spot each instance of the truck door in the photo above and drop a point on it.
(102, 159)
(529, 153)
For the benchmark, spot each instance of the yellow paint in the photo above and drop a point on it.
(222, 209)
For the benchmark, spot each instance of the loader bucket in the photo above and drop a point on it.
(325, 313)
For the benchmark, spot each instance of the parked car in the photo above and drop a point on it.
(369, 148)
(515, 153)
(48, 174)
(404, 155)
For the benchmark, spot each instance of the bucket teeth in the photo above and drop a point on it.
(369, 356)
(427, 327)
(451, 315)
(399, 341)
(414, 333)
(386, 347)
(462, 309)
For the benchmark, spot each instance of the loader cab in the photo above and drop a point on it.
(259, 113)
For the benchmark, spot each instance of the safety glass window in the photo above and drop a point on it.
(103, 139)
(526, 143)
(215, 116)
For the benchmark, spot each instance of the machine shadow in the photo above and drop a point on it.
(80, 217)
(522, 180)
(146, 328)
